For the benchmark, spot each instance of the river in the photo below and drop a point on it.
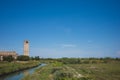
(19, 75)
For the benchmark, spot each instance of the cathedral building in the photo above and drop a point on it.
(13, 53)
(8, 53)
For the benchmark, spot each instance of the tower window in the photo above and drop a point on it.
(26, 41)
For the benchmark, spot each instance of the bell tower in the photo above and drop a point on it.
(26, 48)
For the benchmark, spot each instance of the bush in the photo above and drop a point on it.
(8, 58)
(62, 75)
(86, 61)
(23, 58)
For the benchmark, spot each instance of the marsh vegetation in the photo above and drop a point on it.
(10, 67)
(77, 69)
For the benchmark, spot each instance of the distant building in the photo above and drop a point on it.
(26, 48)
(8, 53)
(13, 53)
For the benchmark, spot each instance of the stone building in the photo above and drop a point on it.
(26, 48)
(13, 53)
(8, 53)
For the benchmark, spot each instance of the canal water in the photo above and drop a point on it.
(19, 75)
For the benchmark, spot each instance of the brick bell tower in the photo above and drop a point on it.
(26, 48)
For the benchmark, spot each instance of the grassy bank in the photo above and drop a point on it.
(9, 67)
(59, 71)
(109, 71)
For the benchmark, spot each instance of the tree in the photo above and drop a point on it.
(32, 58)
(37, 58)
(8, 58)
(23, 58)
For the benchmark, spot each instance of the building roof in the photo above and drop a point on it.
(6, 53)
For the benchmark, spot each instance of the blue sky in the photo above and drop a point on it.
(61, 28)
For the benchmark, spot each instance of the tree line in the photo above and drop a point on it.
(20, 58)
(91, 60)
(64, 60)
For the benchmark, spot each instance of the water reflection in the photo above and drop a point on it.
(19, 75)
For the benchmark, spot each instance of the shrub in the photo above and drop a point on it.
(23, 58)
(8, 58)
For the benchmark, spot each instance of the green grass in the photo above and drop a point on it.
(59, 71)
(8, 67)
(109, 71)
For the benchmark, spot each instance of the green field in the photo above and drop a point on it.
(8, 67)
(90, 71)
(67, 69)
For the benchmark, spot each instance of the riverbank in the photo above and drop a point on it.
(89, 71)
(11, 67)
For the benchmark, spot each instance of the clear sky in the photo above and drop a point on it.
(61, 28)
